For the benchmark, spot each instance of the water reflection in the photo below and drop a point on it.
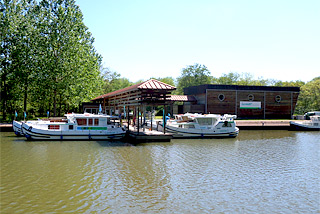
(257, 172)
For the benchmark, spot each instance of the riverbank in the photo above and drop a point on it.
(6, 127)
(263, 124)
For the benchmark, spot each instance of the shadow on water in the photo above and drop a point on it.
(114, 143)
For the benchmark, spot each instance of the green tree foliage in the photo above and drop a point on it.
(309, 98)
(113, 81)
(193, 75)
(47, 57)
(167, 80)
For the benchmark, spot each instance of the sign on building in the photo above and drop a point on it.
(250, 105)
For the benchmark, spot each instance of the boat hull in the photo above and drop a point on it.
(39, 134)
(303, 127)
(182, 133)
(17, 128)
(199, 133)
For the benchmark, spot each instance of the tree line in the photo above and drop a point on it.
(48, 63)
(197, 74)
(47, 58)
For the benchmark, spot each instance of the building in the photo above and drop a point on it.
(261, 102)
(135, 98)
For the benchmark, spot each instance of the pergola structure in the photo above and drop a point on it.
(136, 98)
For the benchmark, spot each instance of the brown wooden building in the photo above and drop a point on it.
(263, 102)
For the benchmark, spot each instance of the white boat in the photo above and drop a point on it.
(17, 125)
(306, 125)
(201, 126)
(76, 127)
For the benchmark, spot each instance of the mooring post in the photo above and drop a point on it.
(151, 117)
(138, 119)
(164, 120)
(144, 118)
(128, 117)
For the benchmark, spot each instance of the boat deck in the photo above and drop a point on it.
(147, 135)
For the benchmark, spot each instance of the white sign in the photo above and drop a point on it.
(250, 105)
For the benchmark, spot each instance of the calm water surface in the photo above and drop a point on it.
(257, 172)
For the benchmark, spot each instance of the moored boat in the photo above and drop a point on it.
(201, 126)
(306, 125)
(76, 127)
(17, 127)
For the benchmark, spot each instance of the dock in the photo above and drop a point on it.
(147, 135)
(6, 127)
(263, 124)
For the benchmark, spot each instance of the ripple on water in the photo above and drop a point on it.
(257, 172)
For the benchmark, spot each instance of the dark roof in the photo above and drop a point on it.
(151, 84)
(201, 89)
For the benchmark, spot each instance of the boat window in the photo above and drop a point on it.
(90, 122)
(204, 121)
(226, 124)
(96, 122)
(82, 121)
(56, 127)
(70, 127)
(189, 126)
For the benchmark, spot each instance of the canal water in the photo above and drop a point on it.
(257, 172)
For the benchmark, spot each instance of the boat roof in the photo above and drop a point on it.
(88, 115)
(196, 115)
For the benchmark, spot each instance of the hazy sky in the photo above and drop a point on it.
(276, 39)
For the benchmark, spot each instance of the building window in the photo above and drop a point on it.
(221, 97)
(278, 98)
(250, 97)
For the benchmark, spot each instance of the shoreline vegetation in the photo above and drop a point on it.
(48, 63)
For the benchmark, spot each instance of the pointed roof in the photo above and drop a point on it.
(151, 84)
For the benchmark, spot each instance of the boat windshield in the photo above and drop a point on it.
(205, 121)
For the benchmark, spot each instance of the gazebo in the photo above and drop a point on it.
(137, 98)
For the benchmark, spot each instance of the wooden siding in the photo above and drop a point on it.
(270, 107)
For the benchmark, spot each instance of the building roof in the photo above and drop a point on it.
(151, 84)
(201, 89)
(182, 98)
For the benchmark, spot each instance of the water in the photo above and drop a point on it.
(257, 172)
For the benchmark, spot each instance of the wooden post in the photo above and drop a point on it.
(128, 117)
(164, 119)
(151, 117)
(120, 116)
(138, 119)
(141, 115)
(144, 118)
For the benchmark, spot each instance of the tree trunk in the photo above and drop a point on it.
(60, 103)
(54, 103)
(4, 98)
(25, 98)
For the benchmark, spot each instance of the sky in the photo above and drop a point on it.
(271, 39)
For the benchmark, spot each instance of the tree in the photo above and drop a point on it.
(228, 79)
(113, 81)
(167, 80)
(193, 75)
(47, 56)
(309, 98)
